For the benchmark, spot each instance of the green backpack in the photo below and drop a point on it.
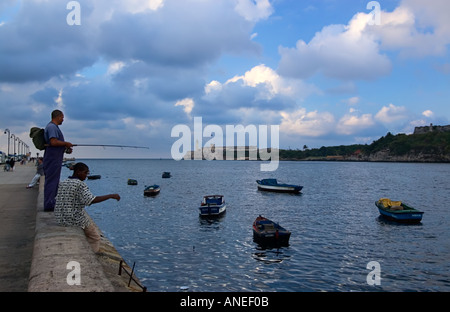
(37, 135)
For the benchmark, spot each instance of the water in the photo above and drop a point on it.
(335, 225)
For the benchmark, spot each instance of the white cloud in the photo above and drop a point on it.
(353, 100)
(213, 86)
(272, 84)
(351, 124)
(187, 104)
(416, 28)
(115, 67)
(391, 114)
(311, 124)
(338, 51)
(254, 10)
(428, 113)
(136, 6)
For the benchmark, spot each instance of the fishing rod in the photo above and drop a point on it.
(108, 145)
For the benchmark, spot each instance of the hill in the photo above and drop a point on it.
(430, 146)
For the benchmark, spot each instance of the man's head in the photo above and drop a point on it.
(57, 117)
(80, 171)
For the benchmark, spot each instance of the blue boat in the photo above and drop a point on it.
(272, 185)
(212, 205)
(152, 190)
(398, 211)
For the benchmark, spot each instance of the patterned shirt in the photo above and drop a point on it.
(73, 195)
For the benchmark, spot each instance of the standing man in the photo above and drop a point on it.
(53, 157)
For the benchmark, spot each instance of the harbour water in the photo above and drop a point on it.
(335, 225)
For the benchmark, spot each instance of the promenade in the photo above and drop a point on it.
(35, 252)
(17, 226)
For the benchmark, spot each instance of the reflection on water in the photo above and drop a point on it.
(335, 225)
(270, 255)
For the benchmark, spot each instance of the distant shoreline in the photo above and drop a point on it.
(286, 159)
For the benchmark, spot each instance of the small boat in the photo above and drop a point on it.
(166, 175)
(272, 185)
(152, 190)
(212, 205)
(69, 164)
(267, 232)
(94, 177)
(132, 182)
(398, 211)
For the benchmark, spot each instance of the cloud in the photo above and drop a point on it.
(351, 124)
(187, 103)
(310, 124)
(179, 33)
(338, 51)
(415, 28)
(254, 10)
(391, 114)
(428, 113)
(260, 91)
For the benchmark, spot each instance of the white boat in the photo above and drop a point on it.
(212, 205)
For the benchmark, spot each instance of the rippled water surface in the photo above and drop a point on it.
(335, 225)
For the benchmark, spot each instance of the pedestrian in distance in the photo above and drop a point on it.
(53, 158)
(11, 164)
(72, 198)
(39, 173)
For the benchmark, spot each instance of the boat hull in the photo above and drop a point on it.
(269, 233)
(405, 215)
(132, 182)
(212, 206)
(152, 191)
(273, 186)
(212, 211)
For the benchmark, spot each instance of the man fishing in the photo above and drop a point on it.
(53, 158)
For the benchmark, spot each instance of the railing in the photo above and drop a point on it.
(130, 274)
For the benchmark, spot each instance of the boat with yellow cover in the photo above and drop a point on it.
(398, 211)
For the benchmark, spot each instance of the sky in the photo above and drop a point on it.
(326, 72)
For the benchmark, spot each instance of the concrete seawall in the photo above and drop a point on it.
(37, 255)
(63, 260)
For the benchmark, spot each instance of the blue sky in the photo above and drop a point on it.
(132, 70)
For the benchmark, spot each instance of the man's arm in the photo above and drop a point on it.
(99, 199)
(56, 142)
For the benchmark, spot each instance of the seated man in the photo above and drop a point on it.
(73, 196)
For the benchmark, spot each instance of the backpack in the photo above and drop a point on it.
(37, 135)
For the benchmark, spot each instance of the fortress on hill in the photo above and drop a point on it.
(431, 128)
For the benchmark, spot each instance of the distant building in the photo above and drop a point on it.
(431, 128)
(237, 152)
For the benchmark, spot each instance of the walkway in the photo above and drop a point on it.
(17, 226)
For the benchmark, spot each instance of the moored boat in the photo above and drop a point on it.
(398, 211)
(273, 185)
(212, 205)
(166, 175)
(132, 182)
(267, 232)
(94, 177)
(152, 190)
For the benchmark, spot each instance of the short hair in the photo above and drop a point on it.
(56, 113)
(80, 167)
